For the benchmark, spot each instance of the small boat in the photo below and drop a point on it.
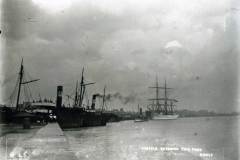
(139, 120)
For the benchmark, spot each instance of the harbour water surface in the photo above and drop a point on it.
(185, 138)
(207, 138)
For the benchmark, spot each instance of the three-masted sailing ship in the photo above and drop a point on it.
(162, 108)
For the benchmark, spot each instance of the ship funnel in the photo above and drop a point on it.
(94, 101)
(59, 96)
(140, 110)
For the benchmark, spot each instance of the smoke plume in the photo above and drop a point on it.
(118, 96)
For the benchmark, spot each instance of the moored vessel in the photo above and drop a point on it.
(18, 114)
(140, 117)
(79, 115)
(157, 116)
(162, 108)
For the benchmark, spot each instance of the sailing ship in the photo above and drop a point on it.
(79, 114)
(162, 108)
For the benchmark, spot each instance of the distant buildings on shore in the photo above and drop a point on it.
(203, 113)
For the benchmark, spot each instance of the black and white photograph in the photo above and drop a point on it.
(119, 79)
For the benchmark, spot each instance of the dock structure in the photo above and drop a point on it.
(49, 142)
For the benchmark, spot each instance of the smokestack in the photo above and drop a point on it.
(59, 96)
(140, 111)
(93, 101)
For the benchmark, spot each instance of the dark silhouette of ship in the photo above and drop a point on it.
(75, 116)
(79, 115)
(17, 114)
(140, 117)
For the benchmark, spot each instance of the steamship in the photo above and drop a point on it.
(79, 115)
(19, 114)
(163, 108)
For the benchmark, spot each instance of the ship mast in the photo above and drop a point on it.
(21, 73)
(82, 89)
(171, 107)
(157, 94)
(158, 105)
(103, 100)
(19, 85)
(165, 98)
(76, 95)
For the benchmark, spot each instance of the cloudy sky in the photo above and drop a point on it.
(125, 44)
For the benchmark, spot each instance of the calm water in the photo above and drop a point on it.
(185, 138)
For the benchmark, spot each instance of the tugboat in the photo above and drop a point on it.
(79, 115)
(140, 117)
(165, 110)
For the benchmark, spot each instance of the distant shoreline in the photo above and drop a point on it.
(220, 115)
(203, 113)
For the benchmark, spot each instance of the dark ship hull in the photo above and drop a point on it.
(79, 115)
(76, 117)
(5, 114)
(10, 115)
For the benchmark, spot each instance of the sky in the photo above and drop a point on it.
(125, 44)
